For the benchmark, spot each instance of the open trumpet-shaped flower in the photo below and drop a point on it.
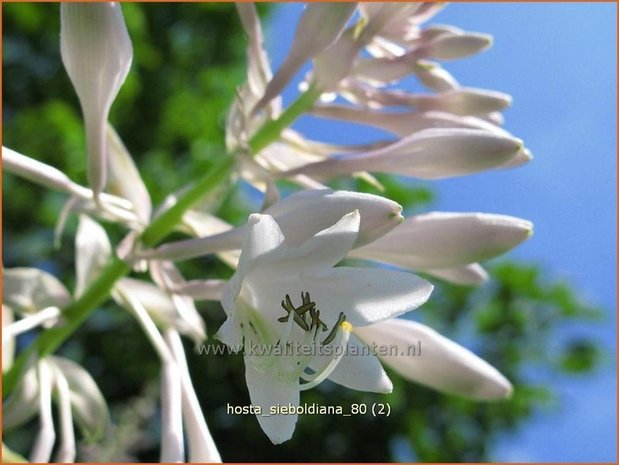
(291, 297)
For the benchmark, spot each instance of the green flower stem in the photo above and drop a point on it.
(78, 311)
(271, 130)
(164, 224)
(74, 315)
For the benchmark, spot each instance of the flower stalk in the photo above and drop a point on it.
(77, 312)
(271, 130)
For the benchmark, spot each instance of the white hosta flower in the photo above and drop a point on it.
(428, 154)
(460, 45)
(299, 216)
(403, 124)
(166, 308)
(278, 286)
(81, 199)
(163, 309)
(29, 290)
(441, 364)
(441, 240)
(78, 399)
(97, 53)
(36, 296)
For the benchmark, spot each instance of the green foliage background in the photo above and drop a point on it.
(188, 60)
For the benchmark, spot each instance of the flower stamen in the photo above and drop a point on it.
(318, 378)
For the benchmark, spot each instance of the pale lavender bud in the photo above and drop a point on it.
(463, 101)
(429, 154)
(434, 77)
(404, 124)
(258, 72)
(333, 65)
(319, 28)
(451, 47)
(97, 53)
(446, 240)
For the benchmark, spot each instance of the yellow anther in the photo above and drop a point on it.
(346, 326)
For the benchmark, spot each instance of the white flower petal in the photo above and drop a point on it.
(230, 332)
(92, 252)
(125, 180)
(264, 238)
(299, 217)
(442, 364)
(258, 69)
(450, 47)
(365, 295)
(35, 171)
(266, 391)
(87, 403)
(303, 214)
(404, 124)
(463, 101)
(428, 154)
(335, 63)
(162, 308)
(324, 250)
(466, 275)
(22, 404)
(28, 290)
(445, 240)
(96, 52)
(8, 343)
(167, 277)
(361, 372)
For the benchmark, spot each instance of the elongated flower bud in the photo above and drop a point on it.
(300, 216)
(403, 124)
(443, 364)
(464, 101)
(428, 154)
(451, 47)
(97, 53)
(319, 27)
(447, 240)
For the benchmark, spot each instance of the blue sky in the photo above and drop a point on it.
(558, 61)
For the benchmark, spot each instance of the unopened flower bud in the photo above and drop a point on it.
(96, 52)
